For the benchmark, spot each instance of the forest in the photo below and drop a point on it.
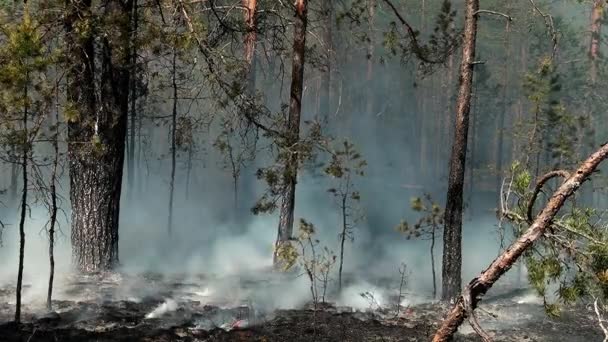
(305, 170)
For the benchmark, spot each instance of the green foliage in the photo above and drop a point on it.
(572, 257)
(428, 224)
(24, 91)
(303, 251)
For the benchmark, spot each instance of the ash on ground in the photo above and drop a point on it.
(155, 308)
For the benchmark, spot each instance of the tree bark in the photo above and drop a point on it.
(595, 28)
(370, 55)
(286, 215)
(24, 163)
(96, 137)
(452, 237)
(133, 99)
(325, 97)
(173, 141)
(54, 209)
(482, 283)
(503, 113)
(250, 40)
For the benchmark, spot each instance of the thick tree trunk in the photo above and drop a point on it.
(452, 237)
(96, 137)
(473, 146)
(595, 28)
(482, 283)
(250, 40)
(133, 99)
(286, 215)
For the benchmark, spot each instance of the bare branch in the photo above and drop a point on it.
(600, 320)
(416, 47)
(549, 23)
(539, 185)
(468, 307)
(506, 16)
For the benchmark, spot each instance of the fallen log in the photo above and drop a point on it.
(471, 295)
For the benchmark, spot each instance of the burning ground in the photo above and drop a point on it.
(150, 307)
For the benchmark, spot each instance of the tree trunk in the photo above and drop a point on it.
(482, 283)
(325, 96)
(473, 142)
(54, 208)
(188, 172)
(370, 56)
(24, 151)
(342, 238)
(14, 176)
(432, 251)
(501, 119)
(96, 137)
(452, 237)
(250, 40)
(285, 231)
(173, 141)
(133, 99)
(595, 28)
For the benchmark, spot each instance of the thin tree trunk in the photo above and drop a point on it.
(342, 240)
(96, 138)
(14, 175)
(140, 177)
(482, 283)
(54, 208)
(188, 172)
(173, 141)
(503, 113)
(595, 28)
(452, 237)
(370, 55)
(285, 231)
(325, 96)
(24, 151)
(433, 263)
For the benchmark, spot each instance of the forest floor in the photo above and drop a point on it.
(93, 315)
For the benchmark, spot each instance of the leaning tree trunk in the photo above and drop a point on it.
(466, 303)
(285, 231)
(452, 237)
(96, 135)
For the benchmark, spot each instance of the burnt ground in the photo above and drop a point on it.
(94, 313)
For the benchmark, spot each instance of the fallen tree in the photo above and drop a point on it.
(466, 303)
